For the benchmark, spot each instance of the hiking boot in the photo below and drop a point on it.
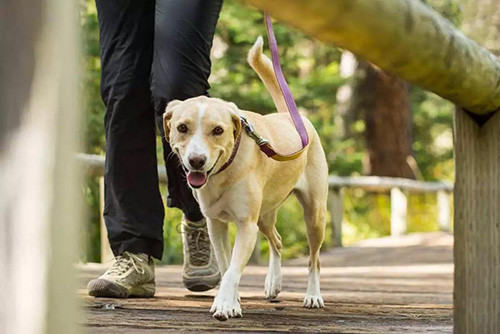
(132, 275)
(201, 272)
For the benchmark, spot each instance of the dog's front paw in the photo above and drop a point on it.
(314, 301)
(226, 306)
(272, 286)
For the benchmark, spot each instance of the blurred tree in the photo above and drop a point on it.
(384, 101)
(93, 105)
(481, 21)
(345, 112)
(314, 73)
(385, 104)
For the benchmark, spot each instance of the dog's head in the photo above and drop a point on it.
(202, 132)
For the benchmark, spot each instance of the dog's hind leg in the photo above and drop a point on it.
(313, 200)
(267, 226)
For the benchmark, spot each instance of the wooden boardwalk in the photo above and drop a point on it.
(398, 285)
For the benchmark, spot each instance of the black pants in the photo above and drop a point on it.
(151, 53)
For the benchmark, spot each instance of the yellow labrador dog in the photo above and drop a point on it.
(234, 181)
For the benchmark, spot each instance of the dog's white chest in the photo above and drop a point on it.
(218, 211)
(227, 206)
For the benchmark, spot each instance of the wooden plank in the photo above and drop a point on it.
(443, 205)
(398, 212)
(267, 317)
(336, 209)
(477, 225)
(94, 165)
(378, 183)
(408, 292)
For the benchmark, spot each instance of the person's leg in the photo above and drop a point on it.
(184, 30)
(133, 207)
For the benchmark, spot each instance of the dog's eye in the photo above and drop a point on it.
(217, 130)
(182, 128)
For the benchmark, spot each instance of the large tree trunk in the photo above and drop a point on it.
(385, 103)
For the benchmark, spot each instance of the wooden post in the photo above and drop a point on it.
(106, 253)
(336, 209)
(398, 212)
(40, 197)
(477, 225)
(443, 204)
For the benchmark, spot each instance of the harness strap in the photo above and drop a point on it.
(265, 146)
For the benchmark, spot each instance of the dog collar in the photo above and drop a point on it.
(252, 133)
(235, 148)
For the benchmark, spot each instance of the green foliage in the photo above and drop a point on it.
(90, 235)
(172, 252)
(433, 132)
(312, 70)
(94, 108)
(449, 9)
(368, 215)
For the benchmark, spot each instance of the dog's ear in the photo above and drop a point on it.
(167, 116)
(235, 116)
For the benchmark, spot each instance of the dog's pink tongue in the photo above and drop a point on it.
(197, 179)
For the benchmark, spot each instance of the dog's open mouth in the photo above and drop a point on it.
(197, 179)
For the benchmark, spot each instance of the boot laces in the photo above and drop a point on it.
(198, 243)
(124, 262)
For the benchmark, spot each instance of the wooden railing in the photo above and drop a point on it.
(398, 187)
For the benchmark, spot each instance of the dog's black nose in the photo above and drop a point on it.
(197, 161)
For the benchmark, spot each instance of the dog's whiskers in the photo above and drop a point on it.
(170, 155)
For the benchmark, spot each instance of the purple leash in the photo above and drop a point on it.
(287, 95)
(264, 144)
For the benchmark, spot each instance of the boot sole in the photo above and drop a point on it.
(143, 291)
(201, 284)
(105, 288)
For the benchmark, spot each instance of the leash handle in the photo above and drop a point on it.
(287, 95)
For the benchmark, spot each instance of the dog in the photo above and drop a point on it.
(233, 181)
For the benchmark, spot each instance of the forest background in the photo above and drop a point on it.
(370, 123)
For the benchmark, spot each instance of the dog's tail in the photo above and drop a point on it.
(264, 68)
